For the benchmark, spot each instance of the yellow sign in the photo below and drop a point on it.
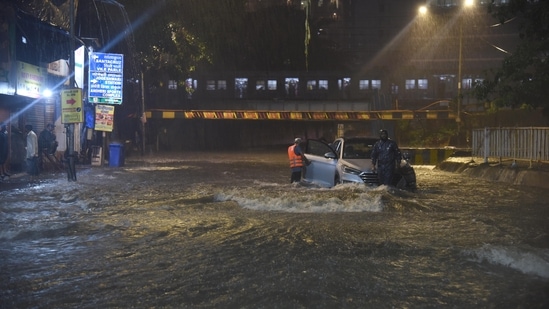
(30, 80)
(71, 106)
(104, 117)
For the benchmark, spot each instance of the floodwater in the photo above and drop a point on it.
(205, 230)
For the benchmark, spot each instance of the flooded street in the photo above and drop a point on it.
(205, 230)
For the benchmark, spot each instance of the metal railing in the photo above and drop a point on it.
(527, 143)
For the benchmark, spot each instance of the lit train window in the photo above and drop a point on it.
(190, 86)
(240, 87)
(291, 85)
(344, 83)
(467, 83)
(260, 85)
(172, 84)
(323, 84)
(221, 85)
(410, 84)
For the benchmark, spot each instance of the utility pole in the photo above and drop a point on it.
(460, 64)
(71, 170)
(466, 4)
(143, 119)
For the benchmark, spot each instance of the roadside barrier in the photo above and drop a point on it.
(526, 143)
(428, 156)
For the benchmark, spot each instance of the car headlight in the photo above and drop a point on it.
(350, 170)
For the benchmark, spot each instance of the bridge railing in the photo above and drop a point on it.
(526, 143)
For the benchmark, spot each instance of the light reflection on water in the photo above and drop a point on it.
(232, 232)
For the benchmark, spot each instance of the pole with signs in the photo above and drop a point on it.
(71, 113)
(71, 171)
(105, 88)
(71, 106)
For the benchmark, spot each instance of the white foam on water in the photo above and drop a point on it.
(306, 198)
(526, 259)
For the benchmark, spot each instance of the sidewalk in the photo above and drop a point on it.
(519, 172)
(21, 179)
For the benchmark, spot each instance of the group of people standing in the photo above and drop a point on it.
(35, 146)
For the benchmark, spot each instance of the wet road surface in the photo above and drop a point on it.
(204, 230)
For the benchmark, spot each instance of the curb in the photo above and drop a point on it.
(517, 174)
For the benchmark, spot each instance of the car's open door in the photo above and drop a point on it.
(322, 169)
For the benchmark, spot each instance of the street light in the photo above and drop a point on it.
(466, 4)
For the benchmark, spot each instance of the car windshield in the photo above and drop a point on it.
(358, 148)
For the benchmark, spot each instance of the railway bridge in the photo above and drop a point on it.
(299, 115)
(264, 124)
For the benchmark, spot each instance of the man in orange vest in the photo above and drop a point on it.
(297, 160)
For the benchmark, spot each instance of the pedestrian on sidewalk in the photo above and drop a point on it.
(32, 153)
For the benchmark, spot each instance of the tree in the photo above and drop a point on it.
(522, 80)
(177, 37)
(174, 37)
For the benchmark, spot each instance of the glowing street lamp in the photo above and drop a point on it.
(466, 3)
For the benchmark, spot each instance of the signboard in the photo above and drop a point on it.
(30, 80)
(71, 106)
(106, 78)
(104, 117)
(59, 67)
(79, 60)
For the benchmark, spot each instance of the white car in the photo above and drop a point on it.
(349, 160)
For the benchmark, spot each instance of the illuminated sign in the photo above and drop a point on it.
(106, 78)
(71, 106)
(30, 80)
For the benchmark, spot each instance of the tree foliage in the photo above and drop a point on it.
(522, 80)
(174, 37)
(178, 37)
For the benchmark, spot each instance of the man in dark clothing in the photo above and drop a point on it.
(386, 155)
(46, 141)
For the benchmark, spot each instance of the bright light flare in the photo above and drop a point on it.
(422, 10)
